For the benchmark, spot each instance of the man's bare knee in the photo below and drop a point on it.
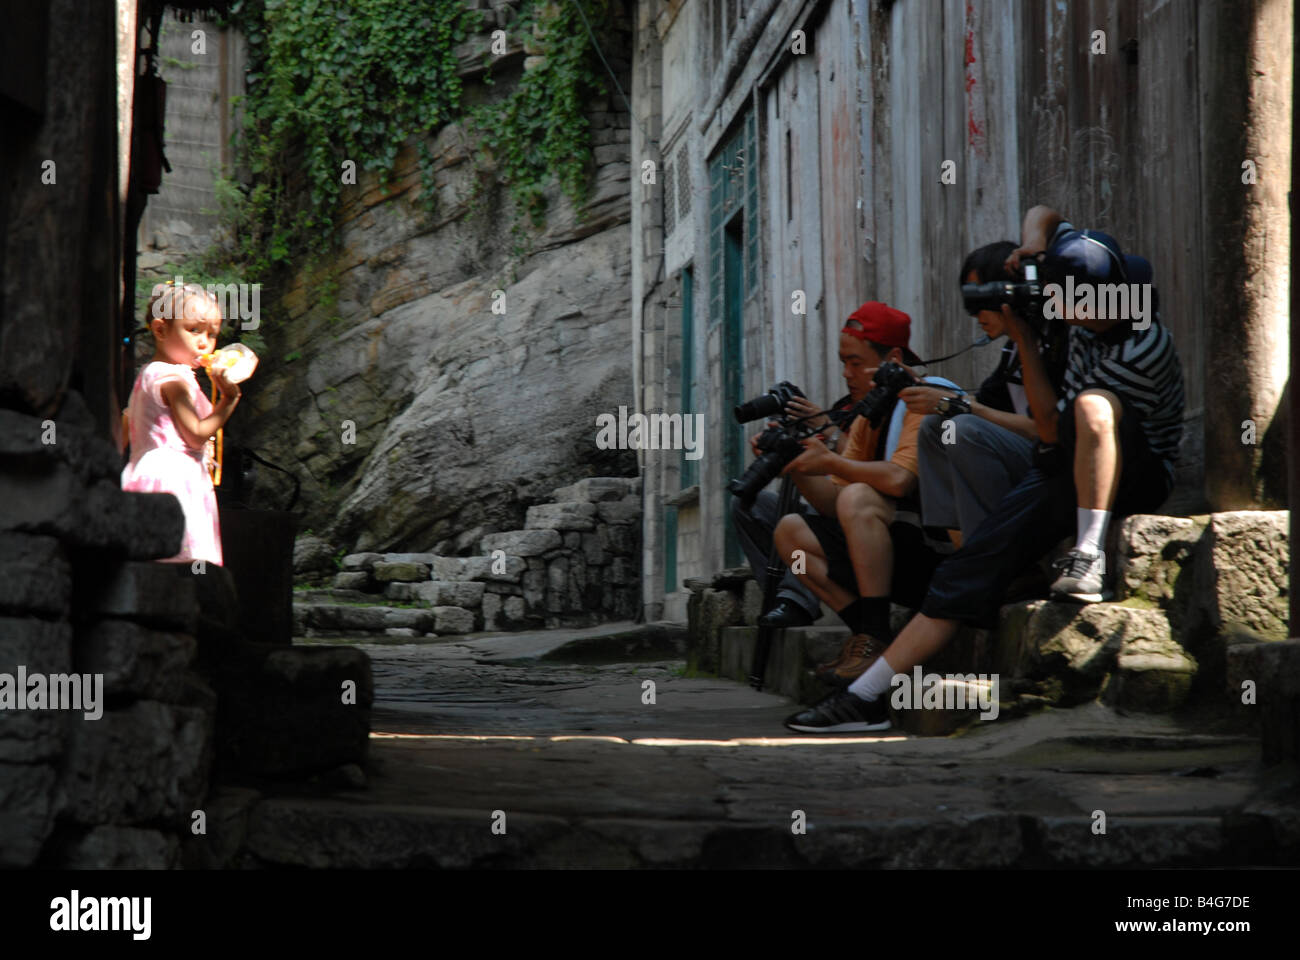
(1096, 411)
(859, 501)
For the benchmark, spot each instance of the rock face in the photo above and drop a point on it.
(472, 381)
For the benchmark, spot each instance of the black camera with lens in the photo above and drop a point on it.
(770, 404)
(778, 445)
(1025, 297)
(890, 378)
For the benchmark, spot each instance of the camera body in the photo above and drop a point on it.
(770, 404)
(778, 444)
(1025, 297)
(890, 378)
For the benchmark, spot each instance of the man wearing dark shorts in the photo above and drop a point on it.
(864, 546)
(1111, 444)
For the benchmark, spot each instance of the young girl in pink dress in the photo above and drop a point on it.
(170, 421)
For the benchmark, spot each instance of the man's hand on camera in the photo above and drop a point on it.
(1018, 256)
(815, 461)
(753, 441)
(803, 407)
(923, 399)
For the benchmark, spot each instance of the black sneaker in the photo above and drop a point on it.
(1082, 579)
(842, 712)
(787, 613)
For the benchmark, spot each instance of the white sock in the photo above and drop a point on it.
(1092, 529)
(874, 682)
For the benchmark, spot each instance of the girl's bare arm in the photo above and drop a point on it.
(193, 430)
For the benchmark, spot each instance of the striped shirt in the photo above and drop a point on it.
(1142, 368)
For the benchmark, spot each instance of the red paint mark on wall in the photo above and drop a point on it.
(974, 129)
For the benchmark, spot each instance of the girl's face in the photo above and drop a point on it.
(185, 339)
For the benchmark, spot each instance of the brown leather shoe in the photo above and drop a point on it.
(860, 651)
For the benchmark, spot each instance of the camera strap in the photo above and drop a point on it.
(983, 341)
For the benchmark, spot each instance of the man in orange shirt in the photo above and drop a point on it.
(865, 545)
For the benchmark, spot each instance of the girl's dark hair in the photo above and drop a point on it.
(987, 262)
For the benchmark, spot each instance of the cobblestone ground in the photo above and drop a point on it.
(581, 772)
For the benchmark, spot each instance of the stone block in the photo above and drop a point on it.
(385, 571)
(159, 594)
(557, 577)
(402, 632)
(27, 811)
(1275, 670)
(514, 609)
(356, 562)
(622, 539)
(621, 511)
(465, 541)
(1156, 682)
(1151, 556)
(618, 571)
(1241, 571)
(573, 540)
(561, 516)
(456, 620)
(492, 603)
(120, 848)
(290, 711)
(41, 647)
(462, 569)
(311, 554)
(35, 576)
(424, 558)
(228, 810)
(522, 543)
(714, 610)
(752, 602)
(329, 616)
(135, 660)
(146, 762)
(592, 550)
(403, 592)
(351, 580)
(592, 490)
(449, 593)
(1071, 649)
(411, 618)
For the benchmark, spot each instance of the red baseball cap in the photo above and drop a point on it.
(883, 324)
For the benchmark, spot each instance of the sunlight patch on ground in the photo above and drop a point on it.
(647, 741)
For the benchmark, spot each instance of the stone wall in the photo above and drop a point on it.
(112, 785)
(464, 416)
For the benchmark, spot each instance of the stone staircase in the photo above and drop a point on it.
(575, 563)
(1198, 599)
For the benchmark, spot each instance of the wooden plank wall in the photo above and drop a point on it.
(1115, 145)
(800, 344)
(951, 97)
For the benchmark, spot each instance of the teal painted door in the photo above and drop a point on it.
(733, 368)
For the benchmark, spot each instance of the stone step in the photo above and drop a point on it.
(795, 652)
(327, 619)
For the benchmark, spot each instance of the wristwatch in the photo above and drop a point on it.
(948, 406)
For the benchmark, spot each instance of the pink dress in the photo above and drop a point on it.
(162, 462)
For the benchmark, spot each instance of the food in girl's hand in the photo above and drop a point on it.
(237, 360)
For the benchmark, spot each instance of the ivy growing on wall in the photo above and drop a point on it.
(332, 81)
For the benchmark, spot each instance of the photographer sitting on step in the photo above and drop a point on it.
(864, 545)
(973, 450)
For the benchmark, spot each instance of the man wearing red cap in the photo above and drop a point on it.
(865, 544)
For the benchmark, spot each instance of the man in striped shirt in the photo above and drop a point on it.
(1108, 445)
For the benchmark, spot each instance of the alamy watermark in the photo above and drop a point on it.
(1100, 301)
(55, 691)
(238, 301)
(655, 431)
(953, 691)
(75, 913)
